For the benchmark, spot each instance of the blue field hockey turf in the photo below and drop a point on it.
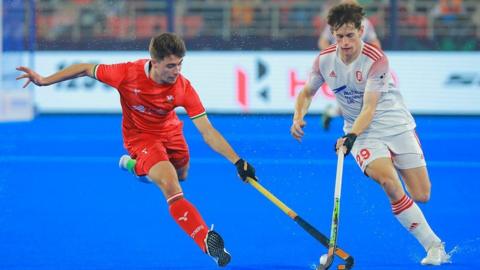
(64, 204)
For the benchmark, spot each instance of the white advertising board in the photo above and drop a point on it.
(267, 82)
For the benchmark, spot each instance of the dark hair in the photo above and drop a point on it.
(345, 14)
(166, 44)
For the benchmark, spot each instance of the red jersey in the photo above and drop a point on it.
(146, 105)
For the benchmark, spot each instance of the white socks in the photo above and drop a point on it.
(411, 217)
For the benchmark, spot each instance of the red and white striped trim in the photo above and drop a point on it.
(175, 197)
(372, 52)
(331, 48)
(402, 205)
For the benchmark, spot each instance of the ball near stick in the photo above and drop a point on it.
(323, 259)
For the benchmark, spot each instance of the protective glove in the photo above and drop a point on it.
(244, 170)
(348, 143)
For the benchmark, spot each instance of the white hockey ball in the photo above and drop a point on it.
(323, 259)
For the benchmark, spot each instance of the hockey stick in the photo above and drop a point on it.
(303, 223)
(336, 213)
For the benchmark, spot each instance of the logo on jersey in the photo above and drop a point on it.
(169, 98)
(143, 109)
(358, 76)
(139, 108)
(341, 88)
(136, 91)
(332, 74)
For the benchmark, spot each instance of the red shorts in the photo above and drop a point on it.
(149, 149)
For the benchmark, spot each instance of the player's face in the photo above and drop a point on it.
(167, 70)
(349, 41)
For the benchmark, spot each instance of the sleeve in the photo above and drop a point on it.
(377, 78)
(315, 78)
(192, 103)
(111, 74)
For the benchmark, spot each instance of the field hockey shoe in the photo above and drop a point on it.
(436, 255)
(215, 248)
(127, 163)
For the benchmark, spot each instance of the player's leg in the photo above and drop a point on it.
(407, 211)
(184, 212)
(383, 172)
(176, 149)
(183, 172)
(410, 162)
(374, 158)
(417, 183)
(128, 163)
(178, 153)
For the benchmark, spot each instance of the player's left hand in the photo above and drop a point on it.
(31, 76)
(244, 170)
(348, 140)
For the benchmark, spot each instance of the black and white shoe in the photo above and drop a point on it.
(216, 248)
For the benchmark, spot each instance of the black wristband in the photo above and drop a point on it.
(349, 141)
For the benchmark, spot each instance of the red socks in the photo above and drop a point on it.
(188, 218)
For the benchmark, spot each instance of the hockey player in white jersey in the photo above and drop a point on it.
(326, 39)
(379, 129)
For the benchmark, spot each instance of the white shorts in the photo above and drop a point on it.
(404, 149)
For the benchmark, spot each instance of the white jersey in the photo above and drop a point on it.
(369, 72)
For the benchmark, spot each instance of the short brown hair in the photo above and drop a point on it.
(345, 14)
(166, 44)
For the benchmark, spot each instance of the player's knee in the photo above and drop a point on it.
(390, 186)
(421, 197)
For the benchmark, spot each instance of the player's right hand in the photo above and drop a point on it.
(245, 170)
(297, 129)
(31, 76)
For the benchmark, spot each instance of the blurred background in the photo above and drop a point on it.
(64, 204)
(444, 25)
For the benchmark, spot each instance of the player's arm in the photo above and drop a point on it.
(376, 85)
(304, 99)
(214, 139)
(218, 143)
(70, 72)
(302, 103)
(370, 100)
